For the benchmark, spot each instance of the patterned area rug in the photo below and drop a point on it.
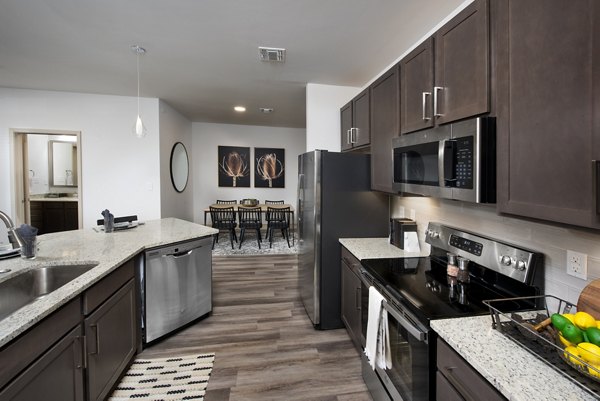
(250, 247)
(176, 378)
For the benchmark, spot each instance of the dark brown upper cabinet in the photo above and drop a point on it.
(385, 125)
(447, 77)
(548, 85)
(355, 122)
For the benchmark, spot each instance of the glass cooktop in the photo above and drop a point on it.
(423, 286)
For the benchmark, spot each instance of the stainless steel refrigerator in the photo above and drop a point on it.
(334, 201)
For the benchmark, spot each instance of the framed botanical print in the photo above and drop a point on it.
(269, 170)
(234, 166)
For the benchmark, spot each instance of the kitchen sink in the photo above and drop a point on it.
(31, 285)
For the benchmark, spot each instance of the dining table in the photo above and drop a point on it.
(263, 208)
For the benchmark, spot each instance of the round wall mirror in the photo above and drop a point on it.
(179, 167)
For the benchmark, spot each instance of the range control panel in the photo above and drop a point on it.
(510, 260)
(472, 247)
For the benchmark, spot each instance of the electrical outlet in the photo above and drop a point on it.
(577, 264)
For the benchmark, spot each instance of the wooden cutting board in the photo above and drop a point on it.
(589, 299)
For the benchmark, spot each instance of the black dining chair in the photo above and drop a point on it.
(223, 218)
(277, 202)
(278, 218)
(251, 218)
(226, 202)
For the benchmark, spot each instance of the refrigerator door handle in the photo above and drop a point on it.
(299, 211)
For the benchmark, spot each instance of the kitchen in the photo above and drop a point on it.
(553, 240)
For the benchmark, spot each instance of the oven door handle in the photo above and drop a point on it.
(415, 332)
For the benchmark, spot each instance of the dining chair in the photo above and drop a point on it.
(223, 218)
(226, 202)
(274, 202)
(278, 218)
(251, 218)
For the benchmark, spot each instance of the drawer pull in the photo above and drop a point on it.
(462, 389)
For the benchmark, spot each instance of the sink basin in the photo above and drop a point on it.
(36, 283)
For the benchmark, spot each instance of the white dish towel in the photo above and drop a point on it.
(377, 348)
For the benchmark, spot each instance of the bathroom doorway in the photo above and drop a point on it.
(47, 179)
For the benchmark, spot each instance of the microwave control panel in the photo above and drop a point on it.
(463, 167)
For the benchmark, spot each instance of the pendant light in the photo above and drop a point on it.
(138, 128)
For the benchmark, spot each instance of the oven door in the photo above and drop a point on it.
(419, 163)
(408, 378)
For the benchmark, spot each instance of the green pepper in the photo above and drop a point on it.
(572, 333)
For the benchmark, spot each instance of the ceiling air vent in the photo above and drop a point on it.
(271, 54)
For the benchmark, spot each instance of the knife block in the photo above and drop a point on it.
(398, 227)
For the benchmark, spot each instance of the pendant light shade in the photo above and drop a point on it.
(139, 129)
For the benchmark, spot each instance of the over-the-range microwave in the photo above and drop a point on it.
(453, 161)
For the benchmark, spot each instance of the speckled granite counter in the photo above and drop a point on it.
(516, 373)
(88, 246)
(378, 248)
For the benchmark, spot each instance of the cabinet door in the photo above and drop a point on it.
(55, 376)
(416, 87)
(385, 125)
(111, 341)
(54, 217)
(462, 70)
(351, 310)
(361, 108)
(346, 124)
(548, 75)
(71, 216)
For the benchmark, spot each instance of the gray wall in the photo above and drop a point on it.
(206, 139)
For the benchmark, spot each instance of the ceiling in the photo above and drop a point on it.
(202, 55)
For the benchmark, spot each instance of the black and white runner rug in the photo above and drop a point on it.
(168, 379)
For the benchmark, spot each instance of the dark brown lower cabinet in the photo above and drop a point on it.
(456, 380)
(54, 216)
(351, 312)
(55, 376)
(111, 336)
(47, 362)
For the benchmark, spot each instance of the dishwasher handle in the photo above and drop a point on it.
(177, 255)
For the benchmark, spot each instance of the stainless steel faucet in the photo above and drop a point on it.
(13, 236)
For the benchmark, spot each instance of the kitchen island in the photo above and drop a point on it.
(516, 373)
(88, 246)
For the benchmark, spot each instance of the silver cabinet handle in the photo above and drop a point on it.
(357, 298)
(425, 94)
(436, 89)
(596, 184)
(348, 133)
(353, 137)
(97, 329)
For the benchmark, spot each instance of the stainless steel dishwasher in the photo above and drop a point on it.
(176, 286)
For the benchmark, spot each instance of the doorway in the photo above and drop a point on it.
(47, 190)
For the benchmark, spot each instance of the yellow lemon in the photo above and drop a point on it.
(565, 342)
(597, 323)
(571, 351)
(583, 320)
(570, 316)
(589, 352)
(594, 372)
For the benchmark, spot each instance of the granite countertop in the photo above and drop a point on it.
(378, 248)
(515, 372)
(85, 246)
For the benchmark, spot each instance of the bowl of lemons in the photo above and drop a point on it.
(578, 336)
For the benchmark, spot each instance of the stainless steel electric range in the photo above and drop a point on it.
(418, 290)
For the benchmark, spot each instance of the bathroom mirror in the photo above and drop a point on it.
(179, 167)
(62, 161)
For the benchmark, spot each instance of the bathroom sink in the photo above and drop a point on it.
(31, 285)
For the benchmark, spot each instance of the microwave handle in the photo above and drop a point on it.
(449, 160)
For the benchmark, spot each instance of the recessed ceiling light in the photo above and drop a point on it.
(266, 110)
(239, 109)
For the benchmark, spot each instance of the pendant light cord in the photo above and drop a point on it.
(138, 81)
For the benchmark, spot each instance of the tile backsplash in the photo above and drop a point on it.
(551, 240)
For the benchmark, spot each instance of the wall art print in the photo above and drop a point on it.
(269, 171)
(234, 166)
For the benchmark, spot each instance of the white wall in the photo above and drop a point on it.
(119, 172)
(323, 103)
(206, 139)
(174, 127)
(552, 240)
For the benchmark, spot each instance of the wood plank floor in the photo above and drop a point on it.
(266, 347)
